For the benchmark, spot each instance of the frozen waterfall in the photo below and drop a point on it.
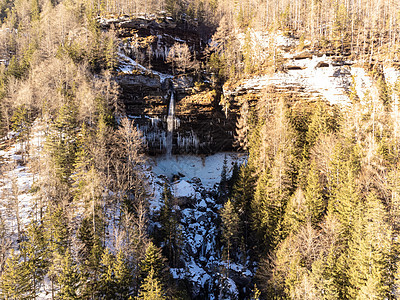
(170, 124)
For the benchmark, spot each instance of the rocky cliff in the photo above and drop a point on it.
(147, 83)
(205, 114)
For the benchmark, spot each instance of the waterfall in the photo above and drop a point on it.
(170, 124)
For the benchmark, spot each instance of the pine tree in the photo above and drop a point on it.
(327, 276)
(35, 10)
(107, 286)
(296, 212)
(68, 279)
(323, 121)
(14, 282)
(242, 197)
(170, 232)
(89, 256)
(91, 272)
(151, 288)
(264, 220)
(279, 190)
(230, 228)
(256, 294)
(111, 51)
(59, 241)
(369, 250)
(122, 275)
(35, 255)
(223, 184)
(154, 262)
(62, 142)
(346, 198)
(243, 127)
(59, 230)
(314, 201)
(21, 123)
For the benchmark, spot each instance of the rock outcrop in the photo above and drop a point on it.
(147, 81)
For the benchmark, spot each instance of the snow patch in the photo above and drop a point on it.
(182, 189)
(363, 82)
(127, 65)
(197, 274)
(207, 168)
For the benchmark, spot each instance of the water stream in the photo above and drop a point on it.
(170, 124)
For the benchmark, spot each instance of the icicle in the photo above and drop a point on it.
(188, 143)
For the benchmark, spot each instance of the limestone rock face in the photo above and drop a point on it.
(147, 82)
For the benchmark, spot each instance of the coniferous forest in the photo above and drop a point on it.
(293, 104)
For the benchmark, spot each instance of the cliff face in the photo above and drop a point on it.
(204, 115)
(148, 82)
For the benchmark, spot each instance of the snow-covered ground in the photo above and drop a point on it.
(332, 82)
(127, 65)
(194, 181)
(17, 179)
(320, 76)
(207, 168)
(189, 169)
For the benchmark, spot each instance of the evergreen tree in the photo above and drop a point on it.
(151, 288)
(90, 257)
(243, 192)
(296, 213)
(14, 279)
(230, 228)
(59, 242)
(170, 230)
(111, 51)
(314, 201)
(346, 199)
(370, 249)
(223, 184)
(256, 294)
(21, 123)
(264, 221)
(154, 262)
(35, 10)
(68, 279)
(62, 142)
(122, 275)
(59, 230)
(107, 285)
(323, 121)
(35, 255)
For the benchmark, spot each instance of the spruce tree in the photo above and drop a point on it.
(68, 279)
(62, 142)
(346, 199)
(314, 201)
(151, 288)
(242, 197)
(263, 217)
(323, 121)
(170, 230)
(123, 280)
(155, 262)
(230, 228)
(14, 279)
(369, 250)
(223, 184)
(243, 127)
(107, 285)
(296, 213)
(35, 255)
(59, 230)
